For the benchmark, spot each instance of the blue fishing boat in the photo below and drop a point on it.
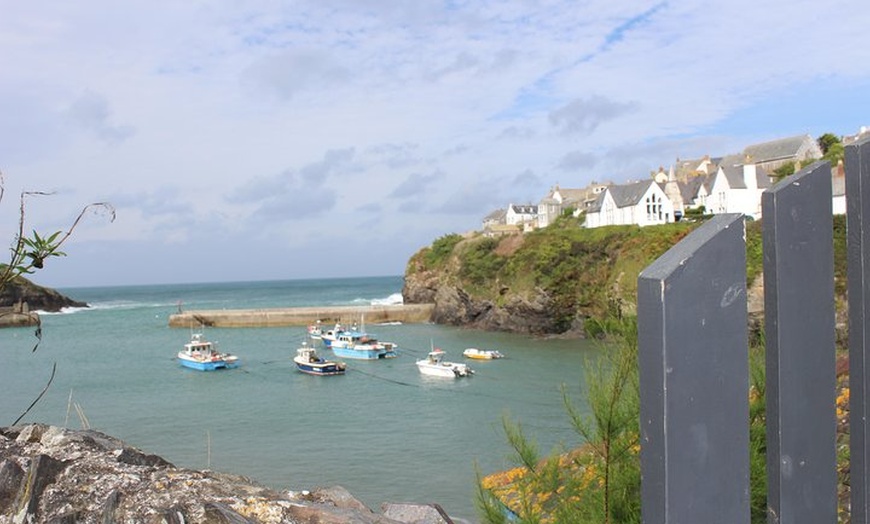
(361, 346)
(308, 361)
(328, 336)
(202, 355)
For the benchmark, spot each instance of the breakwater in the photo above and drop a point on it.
(302, 316)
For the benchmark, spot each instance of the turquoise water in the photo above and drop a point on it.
(383, 431)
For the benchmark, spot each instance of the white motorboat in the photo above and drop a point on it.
(435, 365)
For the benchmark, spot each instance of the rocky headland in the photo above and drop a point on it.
(21, 298)
(549, 282)
(56, 475)
(565, 280)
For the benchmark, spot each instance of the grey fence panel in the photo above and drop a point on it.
(799, 329)
(858, 259)
(692, 336)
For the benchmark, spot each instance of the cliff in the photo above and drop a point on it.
(51, 474)
(564, 279)
(546, 282)
(20, 297)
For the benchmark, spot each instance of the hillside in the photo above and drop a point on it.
(555, 280)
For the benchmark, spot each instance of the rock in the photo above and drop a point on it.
(11, 318)
(26, 296)
(56, 475)
(217, 513)
(417, 513)
(110, 506)
(11, 475)
(41, 473)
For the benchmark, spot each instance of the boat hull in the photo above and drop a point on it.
(363, 354)
(437, 371)
(207, 365)
(480, 354)
(332, 368)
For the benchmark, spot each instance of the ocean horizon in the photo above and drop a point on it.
(383, 431)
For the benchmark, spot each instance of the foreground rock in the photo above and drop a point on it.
(57, 475)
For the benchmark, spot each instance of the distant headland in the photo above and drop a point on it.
(21, 298)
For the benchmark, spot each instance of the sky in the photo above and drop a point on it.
(267, 140)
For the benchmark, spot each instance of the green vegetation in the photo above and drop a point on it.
(441, 249)
(599, 480)
(479, 262)
(583, 272)
(832, 148)
(832, 151)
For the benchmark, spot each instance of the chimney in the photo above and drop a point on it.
(750, 176)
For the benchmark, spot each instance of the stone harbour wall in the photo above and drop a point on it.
(302, 316)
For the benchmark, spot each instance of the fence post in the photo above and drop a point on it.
(800, 362)
(694, 385)
(858, 265)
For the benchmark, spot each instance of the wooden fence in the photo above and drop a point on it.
(694, 383)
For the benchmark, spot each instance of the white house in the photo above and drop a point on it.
(838, 189)
(642, 203)
(523, 216)
(736, 189)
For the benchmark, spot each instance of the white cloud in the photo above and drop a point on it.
(342, 121)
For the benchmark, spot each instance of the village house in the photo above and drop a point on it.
(728, 184)
(686, 170)
(642, 203)
(736, 189)
(776, 153)
(559, 199)
(496, 217)
(524, 217)
(495, 224)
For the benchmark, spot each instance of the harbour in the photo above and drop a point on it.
(382, 430)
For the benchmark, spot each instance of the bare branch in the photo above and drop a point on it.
(50, 379)
(94, 207)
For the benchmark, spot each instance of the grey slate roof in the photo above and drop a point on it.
(525, 209)
(496, 216)
(734, 174)
(689, 189)
(595, 207)
(624, 195)
(776, 149)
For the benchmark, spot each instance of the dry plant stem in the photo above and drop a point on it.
(50, 379)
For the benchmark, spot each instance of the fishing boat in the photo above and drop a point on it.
(482, 354)
(202, 355)
(315, 330)
(361, 346)
(330, 335)
(435, 365)
(308, 361)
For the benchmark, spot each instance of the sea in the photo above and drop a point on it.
(383, 431)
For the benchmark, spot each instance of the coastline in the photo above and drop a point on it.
(303, 316)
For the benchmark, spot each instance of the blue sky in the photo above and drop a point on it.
(279, 140)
